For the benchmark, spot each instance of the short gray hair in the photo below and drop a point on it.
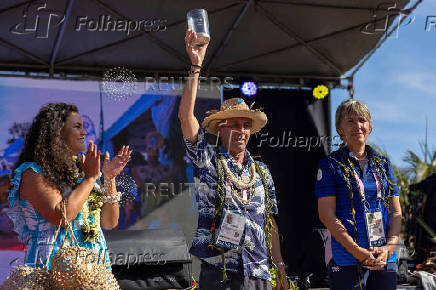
(351, 107)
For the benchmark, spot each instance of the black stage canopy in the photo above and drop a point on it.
(262, 39)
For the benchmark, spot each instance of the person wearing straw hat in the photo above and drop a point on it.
(237, 237)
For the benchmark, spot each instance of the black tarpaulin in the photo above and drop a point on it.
(263, 39)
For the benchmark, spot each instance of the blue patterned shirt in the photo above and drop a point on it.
(252, 255)
(331, 182)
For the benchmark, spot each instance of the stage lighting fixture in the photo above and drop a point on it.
(249, 88)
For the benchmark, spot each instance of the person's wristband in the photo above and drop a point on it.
(113, 198)
(279, 264)
(191, 71)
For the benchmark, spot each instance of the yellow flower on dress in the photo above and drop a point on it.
(274, 277)
(320, 92)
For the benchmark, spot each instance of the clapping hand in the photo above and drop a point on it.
(112, 168)
(91, 161)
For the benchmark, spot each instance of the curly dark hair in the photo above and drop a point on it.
(45, 145)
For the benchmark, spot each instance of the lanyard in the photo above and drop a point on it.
(362, 189)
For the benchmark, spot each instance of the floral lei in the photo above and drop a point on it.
(219, 207)
(91, 209)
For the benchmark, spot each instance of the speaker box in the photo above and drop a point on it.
(150, 259)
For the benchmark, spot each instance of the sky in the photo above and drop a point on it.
(398, 84)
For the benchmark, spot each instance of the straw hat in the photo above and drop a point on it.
(234, 108)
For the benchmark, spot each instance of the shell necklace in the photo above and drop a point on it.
(241, 182)
(244, 202)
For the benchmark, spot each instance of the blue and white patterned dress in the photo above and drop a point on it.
(253, 255)
(37, 233)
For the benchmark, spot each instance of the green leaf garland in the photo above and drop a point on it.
(90, 210)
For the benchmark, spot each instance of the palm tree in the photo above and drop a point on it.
(419, 169)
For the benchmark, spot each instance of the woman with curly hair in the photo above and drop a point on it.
(48, 173)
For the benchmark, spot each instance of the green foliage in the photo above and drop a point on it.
(419, 169)
(427, 229)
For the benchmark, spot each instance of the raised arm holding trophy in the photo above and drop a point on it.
(237, 237)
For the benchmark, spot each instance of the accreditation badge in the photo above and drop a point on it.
(375, 228)
(231, 230)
